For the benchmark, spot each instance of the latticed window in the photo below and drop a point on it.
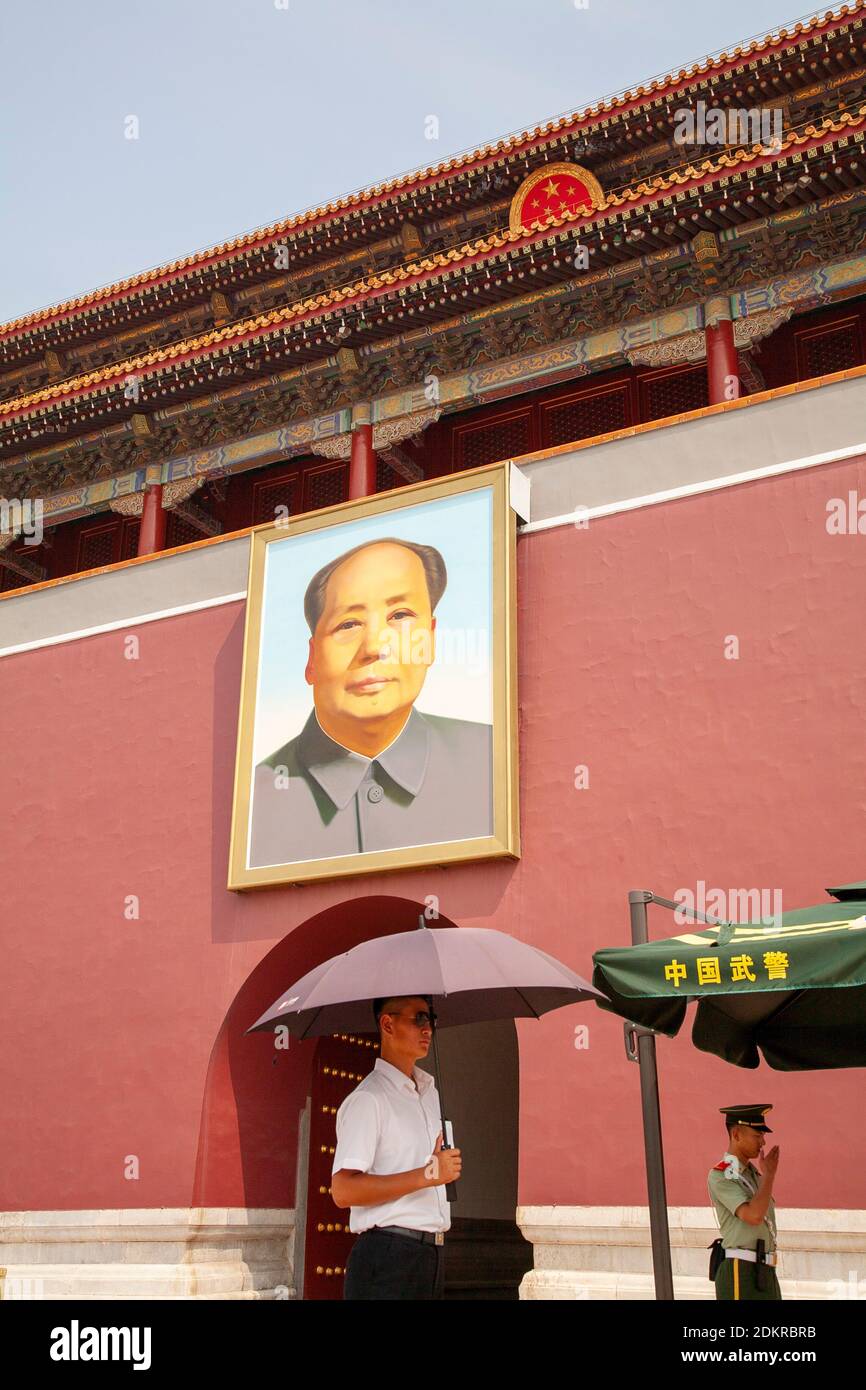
(267, 497)
(10, 580)
(325, 487)
(832, 349)
(129, 537)
(179, 531)
(485, 442)
(386, 478)
(595, 412)
(98, 547)
(673, 393)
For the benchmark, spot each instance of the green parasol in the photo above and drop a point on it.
(795, 990)
(850, 892)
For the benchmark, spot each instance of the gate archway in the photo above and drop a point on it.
(263, 1124)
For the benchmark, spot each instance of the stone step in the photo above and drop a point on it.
(593, 1285)
(245, 1295)
(148, 1252)
(605, 1252)
(92, 1280)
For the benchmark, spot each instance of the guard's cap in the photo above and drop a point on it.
(751, 1115)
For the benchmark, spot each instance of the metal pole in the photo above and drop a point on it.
(652, 1128)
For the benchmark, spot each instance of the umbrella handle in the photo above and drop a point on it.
(450, 1187)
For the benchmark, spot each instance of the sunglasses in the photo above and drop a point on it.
(421, 1020)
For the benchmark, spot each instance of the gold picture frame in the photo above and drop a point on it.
(503, 839)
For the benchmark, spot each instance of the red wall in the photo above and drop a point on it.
(125, 1037)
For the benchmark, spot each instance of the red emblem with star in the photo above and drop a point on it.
(552, 192)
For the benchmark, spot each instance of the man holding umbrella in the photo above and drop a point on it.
(391, 1163)
(389, 1166)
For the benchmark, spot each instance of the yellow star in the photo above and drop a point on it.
(552, 189)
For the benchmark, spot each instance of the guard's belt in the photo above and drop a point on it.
(751, 1256)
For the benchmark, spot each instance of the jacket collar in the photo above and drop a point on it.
(340, 772)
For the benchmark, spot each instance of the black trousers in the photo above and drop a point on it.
(384, 1265)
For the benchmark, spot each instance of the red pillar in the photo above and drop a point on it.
(723, 362)
(362, 467)
(151, 535)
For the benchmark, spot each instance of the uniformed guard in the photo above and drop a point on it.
(744, 1258)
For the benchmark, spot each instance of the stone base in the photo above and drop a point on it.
(587, 1253)
(168, 1253)
(485, 1259)
(605, 1253)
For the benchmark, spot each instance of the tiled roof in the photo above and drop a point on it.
(238, 332)
(248, 241)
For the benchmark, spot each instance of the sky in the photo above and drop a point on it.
(247, 111)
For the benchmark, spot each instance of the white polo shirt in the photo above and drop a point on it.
(384, 1126)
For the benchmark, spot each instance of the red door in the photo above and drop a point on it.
(342, 1060)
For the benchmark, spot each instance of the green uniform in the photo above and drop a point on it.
(736, 1278)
